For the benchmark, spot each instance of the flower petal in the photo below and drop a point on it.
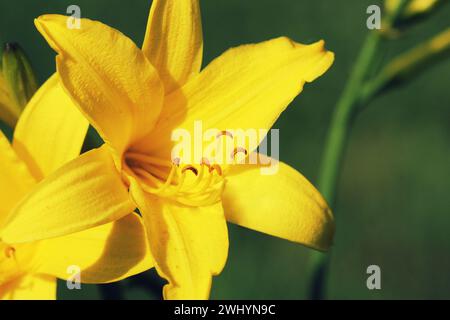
(106, 253)
(82, 194)
(189, 244)
(50, 131)
(15, 178)
(173, 41)
(284, 204)
(245, 88)
(111, 80)
(29, 287)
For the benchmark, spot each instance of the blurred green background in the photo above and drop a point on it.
(393, 200)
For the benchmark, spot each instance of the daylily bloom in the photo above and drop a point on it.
(135, 99)
(50, 133)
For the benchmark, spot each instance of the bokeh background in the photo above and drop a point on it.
(393, 206)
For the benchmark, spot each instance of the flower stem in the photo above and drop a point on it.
(335, 147)
(337, 139)
(407, 65)
(342, 118)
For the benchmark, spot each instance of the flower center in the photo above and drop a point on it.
(199, 184)
(191, 185)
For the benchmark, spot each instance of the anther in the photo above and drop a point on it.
(224, 133)
(194, 170)
(176, 161)
(205, 162)
(238, 150)
(217, 168)
(9, 252)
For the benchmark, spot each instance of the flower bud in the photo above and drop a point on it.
(17, 83)
(415, 9)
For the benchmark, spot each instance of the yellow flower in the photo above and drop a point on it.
(135, 99)
(50, 133)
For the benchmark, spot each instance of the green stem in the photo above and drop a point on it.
(337, 139)
(407, 66)
(335, 147)
(341, 120)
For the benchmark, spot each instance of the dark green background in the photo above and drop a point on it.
(393, 200)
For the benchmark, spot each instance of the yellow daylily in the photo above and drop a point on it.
(135, 99)
(50, 133)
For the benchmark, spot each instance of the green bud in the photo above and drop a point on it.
(415, 10)
(407, 65)
(9, 110)
(18, 75)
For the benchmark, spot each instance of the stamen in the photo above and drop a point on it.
(224, 133)
(180, 185)
(191, 168)
(161, 187)
(199, 178)
(238, 150)
(10, 251)
(175, 185)
(163, 190)
(217, 168)
(207, 184)
(205, 162)
(176, 161)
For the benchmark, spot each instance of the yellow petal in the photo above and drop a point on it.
(189, 244)
(82, 194)
(111, 80)
(29, 287)
(173, 41)
(106, 253)
(284, 204)
(245, 88)
(15, 178)
(50, 131)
